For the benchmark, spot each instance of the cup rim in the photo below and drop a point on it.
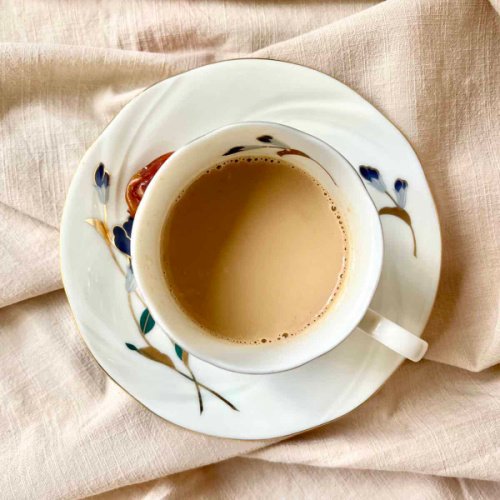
(141, 215)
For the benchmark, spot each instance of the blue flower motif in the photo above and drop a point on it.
(400, 186)
(128, 226)
(373, 176)
(122, 235)
(101, 179)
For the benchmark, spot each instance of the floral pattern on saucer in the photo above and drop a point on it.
(119, 238)
(374, 177)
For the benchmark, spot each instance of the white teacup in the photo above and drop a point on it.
(349, 311)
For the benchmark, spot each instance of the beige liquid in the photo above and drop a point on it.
(254, 250)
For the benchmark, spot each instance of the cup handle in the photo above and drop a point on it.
(393, 336)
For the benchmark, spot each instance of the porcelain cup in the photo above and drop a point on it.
(350, 311)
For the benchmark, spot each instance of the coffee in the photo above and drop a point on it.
(254, 250)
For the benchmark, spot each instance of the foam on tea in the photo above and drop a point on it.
(254, 250)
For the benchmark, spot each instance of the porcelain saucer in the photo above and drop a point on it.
(115, 322)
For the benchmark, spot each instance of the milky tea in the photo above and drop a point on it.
(254, 250)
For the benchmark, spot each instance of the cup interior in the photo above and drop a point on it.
(336, 176)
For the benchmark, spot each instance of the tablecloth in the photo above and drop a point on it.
(67, 67)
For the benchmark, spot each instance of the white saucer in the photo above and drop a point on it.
(168, 115)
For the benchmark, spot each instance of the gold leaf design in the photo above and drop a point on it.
(396, 212)
(101, 228)
(403, 215)
(154, 354)
(292, 152)
(185, 357)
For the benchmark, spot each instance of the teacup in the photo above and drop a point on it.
(349, 311)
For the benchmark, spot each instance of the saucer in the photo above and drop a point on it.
(111, 314)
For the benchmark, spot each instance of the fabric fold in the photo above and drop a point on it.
(66, 69)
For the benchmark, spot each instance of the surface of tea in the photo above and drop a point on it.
(254, 250)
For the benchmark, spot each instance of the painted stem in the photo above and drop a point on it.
(191, 374)
(196, 383)
(414, 241)
(403, 215)
(113, 255)
(392, 198)
(410, 225)
(211, 391)
(129, 299)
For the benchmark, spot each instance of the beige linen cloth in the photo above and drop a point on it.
(66, 69)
